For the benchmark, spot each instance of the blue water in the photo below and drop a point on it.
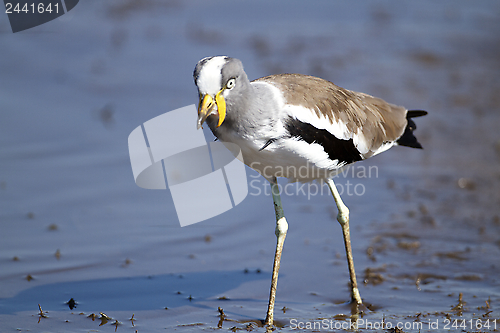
(73, 89)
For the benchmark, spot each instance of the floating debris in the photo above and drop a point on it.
(459, 308)
(190, 325)
(395, 330)
(116, 324)
(132, 319)
(487, 313)
(104, 319)
(72, 303)
(53, 227)
(249, 327)
(103, 315)
(222, 317)
(127, 262)
(42, 314)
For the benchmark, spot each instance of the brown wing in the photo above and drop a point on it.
(377, 120)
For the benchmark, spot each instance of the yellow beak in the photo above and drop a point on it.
(206, 106)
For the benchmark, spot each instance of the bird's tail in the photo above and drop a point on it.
(408, 139)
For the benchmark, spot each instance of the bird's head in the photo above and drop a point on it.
(218, 79)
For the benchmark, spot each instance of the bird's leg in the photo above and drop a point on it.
(281, 229)
(343, 218)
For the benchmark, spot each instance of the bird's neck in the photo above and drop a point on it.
(240, 115)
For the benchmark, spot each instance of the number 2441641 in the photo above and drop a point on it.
(470, 324)
(33, 8)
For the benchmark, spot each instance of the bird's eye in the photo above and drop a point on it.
(231, 83)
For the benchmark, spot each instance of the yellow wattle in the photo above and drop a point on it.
(221, 107)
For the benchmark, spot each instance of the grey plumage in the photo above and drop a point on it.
(260, 114)
(286, 123)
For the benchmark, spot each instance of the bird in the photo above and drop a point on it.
(299, 127)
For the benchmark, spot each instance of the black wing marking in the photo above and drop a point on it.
(267, 144)
(337, 149)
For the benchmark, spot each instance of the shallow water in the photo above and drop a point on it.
(425, 225)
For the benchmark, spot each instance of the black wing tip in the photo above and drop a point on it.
(408, 139)
(416, 113)
(417, 145)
